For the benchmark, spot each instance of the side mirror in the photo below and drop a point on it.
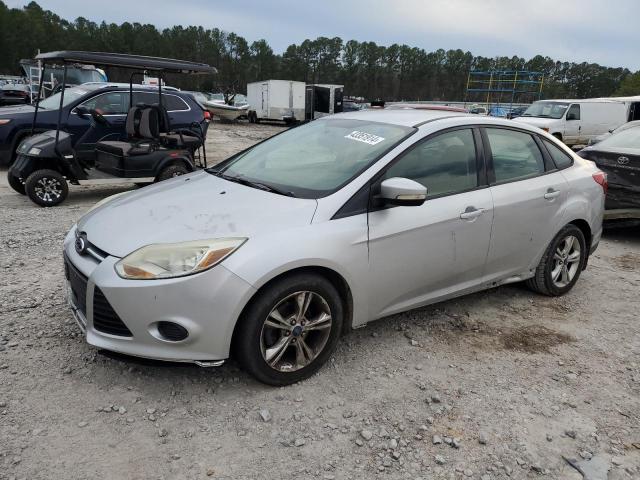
(82, 111)
(402, 191)
(571, 116)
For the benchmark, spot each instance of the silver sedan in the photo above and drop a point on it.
(271, 255)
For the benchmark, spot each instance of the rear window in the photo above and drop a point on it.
(560, 158)
(629, 138)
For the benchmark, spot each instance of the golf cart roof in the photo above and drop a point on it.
(139, 62)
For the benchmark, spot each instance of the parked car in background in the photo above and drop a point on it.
(14, 94)
(621, 128)
(272, 254)
(111, 100)
(516, 112)
(478, 110)
(619, 156)
(575, 122)
(425, 106)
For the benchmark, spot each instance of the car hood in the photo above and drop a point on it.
(22, 109)
(191, 207)
(536, 121)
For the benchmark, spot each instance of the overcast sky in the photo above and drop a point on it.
(601, 31)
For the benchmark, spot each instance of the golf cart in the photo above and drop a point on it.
(152, 151)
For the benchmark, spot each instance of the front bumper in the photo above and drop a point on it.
(206, 304)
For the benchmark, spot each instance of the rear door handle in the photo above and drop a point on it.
(471, 212)
(551, 194)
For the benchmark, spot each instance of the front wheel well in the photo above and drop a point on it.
(334, 277)
(557, 135)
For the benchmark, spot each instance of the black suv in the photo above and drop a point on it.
(111, 100)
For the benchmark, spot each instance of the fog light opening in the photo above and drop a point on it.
(171, 331)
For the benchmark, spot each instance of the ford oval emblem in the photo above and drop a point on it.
(623, 160)
(80, 245)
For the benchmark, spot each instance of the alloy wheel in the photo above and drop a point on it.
(566, 261)
(48, 189)
(296, 331)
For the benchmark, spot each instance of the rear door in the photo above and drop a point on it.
(424, 253)
(528, 194)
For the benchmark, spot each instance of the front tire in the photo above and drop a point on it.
(46, 188)
(561, 264)
(290, 329)
(15, 183)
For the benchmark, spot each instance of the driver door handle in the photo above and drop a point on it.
(471, 213)
(551, 194)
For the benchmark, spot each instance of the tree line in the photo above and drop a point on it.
(395, 72)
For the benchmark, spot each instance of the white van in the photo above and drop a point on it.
(575, 122)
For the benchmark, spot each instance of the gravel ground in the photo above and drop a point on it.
(500, 384)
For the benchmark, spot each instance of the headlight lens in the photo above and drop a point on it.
(4, 121)
(176, 259)
(34, 151)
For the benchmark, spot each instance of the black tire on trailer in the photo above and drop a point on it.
(15, 183)
(46, 188)
(173, 170)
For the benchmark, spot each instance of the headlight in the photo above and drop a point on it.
(105, 200)
(171, 260)
(34, 151)
(4, 121)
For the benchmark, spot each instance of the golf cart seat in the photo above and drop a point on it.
(182, 139)
(143, 131)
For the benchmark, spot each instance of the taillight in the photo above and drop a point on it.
(601, 179)
(207, 115)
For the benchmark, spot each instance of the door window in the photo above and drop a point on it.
(172, 103)
(112, 103)
(515, 155)
(574, 112)
(560, 158)
(445, 164)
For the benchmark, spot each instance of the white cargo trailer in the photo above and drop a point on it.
(276, 100)
(322, 100)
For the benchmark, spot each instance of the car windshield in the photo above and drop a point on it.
(316, 159)
(629, 138)
(70, 95)
(546, 109)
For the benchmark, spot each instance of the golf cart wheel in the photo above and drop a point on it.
(171, 171)
(46, 188)
(15, 183)
(290, 329)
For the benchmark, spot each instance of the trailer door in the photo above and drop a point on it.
(337, 101)
(264, 109)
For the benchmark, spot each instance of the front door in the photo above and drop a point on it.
(421, 254)
(528, 198)
(572, 125)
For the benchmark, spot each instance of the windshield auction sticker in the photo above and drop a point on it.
(364, 137)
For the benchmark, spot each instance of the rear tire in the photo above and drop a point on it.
(561, 264)
(15, 183)
(281, 352)
(172, 171)
(46, 188)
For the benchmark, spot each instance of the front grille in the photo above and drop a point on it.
(78, 283)
(105, 319)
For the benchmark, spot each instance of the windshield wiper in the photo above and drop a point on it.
(252, 184)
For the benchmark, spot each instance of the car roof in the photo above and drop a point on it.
(431, 118)
(406, 117)
(425, 106)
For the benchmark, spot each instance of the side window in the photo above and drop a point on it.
(171, 102)
(445, 164)
(112, 103)
(574, 112)
(515, 155)
(560, 158)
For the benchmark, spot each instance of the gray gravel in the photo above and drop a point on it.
(508, 381)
